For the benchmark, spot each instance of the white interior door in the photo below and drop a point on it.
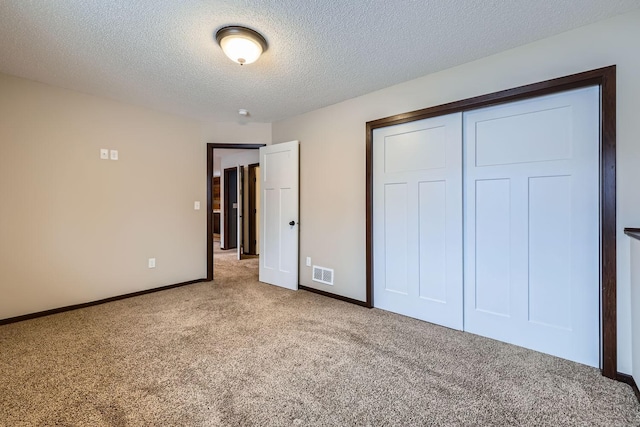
(279, 214)
(532, 224)
(417, 219)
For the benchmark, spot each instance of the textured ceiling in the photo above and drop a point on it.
(161, 53)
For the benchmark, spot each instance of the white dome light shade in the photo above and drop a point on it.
(240, 49)
(240, 44)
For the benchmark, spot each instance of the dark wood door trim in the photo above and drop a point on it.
(252, 209)
(606, 79)
(241, 208)
(210, 150)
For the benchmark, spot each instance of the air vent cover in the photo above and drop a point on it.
(323, 275)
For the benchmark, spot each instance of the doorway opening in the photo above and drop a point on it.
(227, 189)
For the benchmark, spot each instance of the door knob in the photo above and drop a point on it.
(292, 223)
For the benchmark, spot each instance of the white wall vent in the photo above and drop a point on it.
(322, 275)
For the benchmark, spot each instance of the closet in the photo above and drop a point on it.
(487, 221)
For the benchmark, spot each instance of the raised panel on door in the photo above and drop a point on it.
(532, 224)
(418, 220)
(396, 236)
(492, 249)
(432, 246)
(550, 251)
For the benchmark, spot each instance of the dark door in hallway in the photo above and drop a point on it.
(230, 208)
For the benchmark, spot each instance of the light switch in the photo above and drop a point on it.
(196, 205)
(104, 153)
(152, 263)
(114, 154)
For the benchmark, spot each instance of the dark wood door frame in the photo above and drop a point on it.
(252, 250)
(606, 79)
(210, 149)
(227, 208)
(241, 207)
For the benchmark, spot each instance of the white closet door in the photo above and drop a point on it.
(417, 219)
(532, 224)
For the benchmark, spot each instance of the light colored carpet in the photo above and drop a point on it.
(236, 352)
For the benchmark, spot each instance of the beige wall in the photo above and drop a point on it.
(74, 228)
(236, 132)
(332, 147)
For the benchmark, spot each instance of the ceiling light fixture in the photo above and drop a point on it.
(242, 45)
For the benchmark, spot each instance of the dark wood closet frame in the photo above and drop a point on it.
(606, 79)
(210, 148)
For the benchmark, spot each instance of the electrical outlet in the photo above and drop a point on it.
(152, 263)
(104, 153)
(308, 261)
(114, 154)
(196, 205)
